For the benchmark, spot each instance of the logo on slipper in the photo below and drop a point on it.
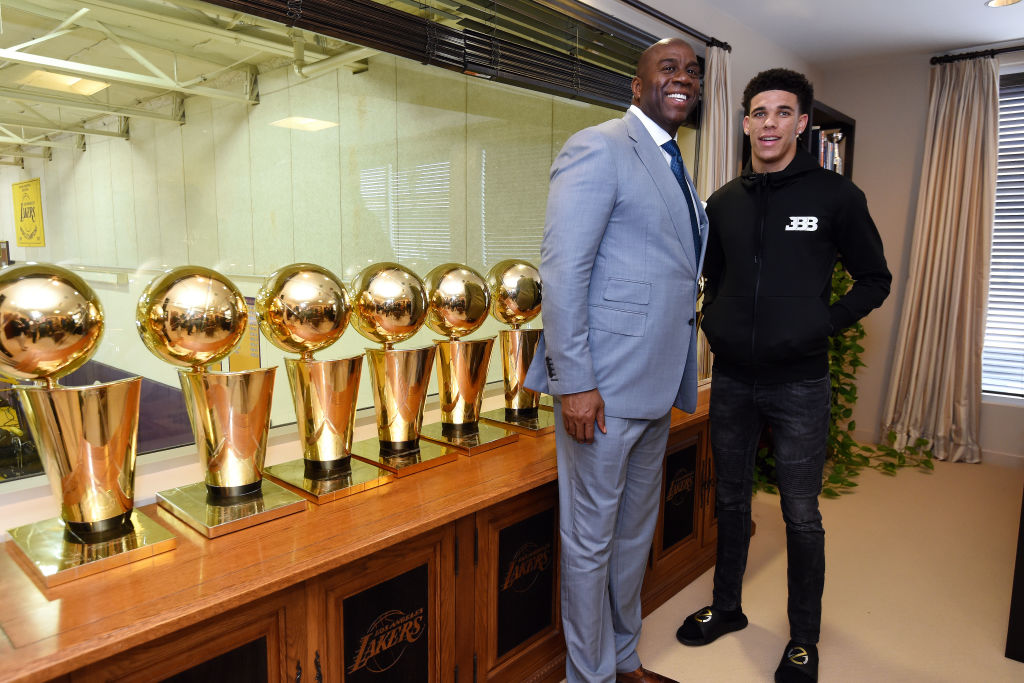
(798, 656)
(703, 617)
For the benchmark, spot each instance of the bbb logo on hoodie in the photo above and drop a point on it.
(803, 223)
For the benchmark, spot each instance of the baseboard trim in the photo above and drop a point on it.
(1002, 459)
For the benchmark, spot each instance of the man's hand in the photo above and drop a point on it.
(580, 412)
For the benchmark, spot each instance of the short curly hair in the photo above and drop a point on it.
(780, 79)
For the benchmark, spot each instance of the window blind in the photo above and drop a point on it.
(1003, 354)
(519, 42)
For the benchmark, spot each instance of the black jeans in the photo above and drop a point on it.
(798, 414)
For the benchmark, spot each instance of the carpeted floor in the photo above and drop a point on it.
(917, 588)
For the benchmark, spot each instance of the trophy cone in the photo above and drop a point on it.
(324, 393)
(517, 349)
(230, 415)
(400, 379)
(87, 438)
(461, 375)
(521, 412)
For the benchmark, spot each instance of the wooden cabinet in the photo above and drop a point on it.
(448, 576)
(261, 641)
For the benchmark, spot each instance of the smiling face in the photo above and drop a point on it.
(773, 124)
(667, 83)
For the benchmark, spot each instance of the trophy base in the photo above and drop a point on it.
(421, 456)
(213, 517)
(471, 439)
(321, 485)
(536, 422)
(53, 554)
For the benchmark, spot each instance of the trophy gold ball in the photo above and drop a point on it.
(389, 303)
(303, 308)
(515, 292)
(191, 316)
(459, 300)
(50, 322)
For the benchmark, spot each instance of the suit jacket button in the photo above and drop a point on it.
(691, 321)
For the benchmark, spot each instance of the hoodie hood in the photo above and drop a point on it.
(801, 164)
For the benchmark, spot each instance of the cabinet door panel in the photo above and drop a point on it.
(519, 630)
(390, 617)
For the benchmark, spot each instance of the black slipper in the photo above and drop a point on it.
(707, 624)
(799, 664)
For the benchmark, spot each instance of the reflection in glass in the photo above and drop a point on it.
(425, 166)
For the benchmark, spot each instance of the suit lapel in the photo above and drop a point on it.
(652, 159)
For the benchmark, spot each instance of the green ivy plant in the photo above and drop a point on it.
(847, 457)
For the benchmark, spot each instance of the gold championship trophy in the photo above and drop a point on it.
(192, 317)
(389, 303)
(304, 308)
(50, 323)
(516, 299)
(459, 301)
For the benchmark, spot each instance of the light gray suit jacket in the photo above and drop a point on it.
(619, 276)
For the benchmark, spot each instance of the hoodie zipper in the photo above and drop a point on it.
(758, 258)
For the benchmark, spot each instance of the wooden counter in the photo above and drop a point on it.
(51, 633)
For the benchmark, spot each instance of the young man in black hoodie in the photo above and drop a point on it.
(776, 232)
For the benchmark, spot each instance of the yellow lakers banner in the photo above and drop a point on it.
(28, 214)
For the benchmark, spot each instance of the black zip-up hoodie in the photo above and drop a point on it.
(773, 242)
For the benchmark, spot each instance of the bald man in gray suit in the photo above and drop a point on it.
(622, 250)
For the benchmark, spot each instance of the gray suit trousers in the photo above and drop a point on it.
(608, 507)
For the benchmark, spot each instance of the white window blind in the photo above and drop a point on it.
(1003, 354)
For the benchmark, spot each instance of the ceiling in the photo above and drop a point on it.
(829, 31)
(151, 53)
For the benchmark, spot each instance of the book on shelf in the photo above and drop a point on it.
(829, 148)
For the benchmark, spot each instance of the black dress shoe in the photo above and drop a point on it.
(707, 624)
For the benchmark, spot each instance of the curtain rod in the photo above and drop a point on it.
(661, 16)
(946, 59)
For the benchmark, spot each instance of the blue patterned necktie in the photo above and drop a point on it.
(677, 170)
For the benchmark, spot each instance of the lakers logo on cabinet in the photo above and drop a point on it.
(386, 639)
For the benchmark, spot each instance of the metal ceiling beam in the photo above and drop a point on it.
(214, 28)
(345, 59)
(56, 127)
(86, 105)
(38, 143)
(118, 76)
(46, 154)
(125, 34)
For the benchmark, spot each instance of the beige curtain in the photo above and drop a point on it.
(714, 149)
(936, 386)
